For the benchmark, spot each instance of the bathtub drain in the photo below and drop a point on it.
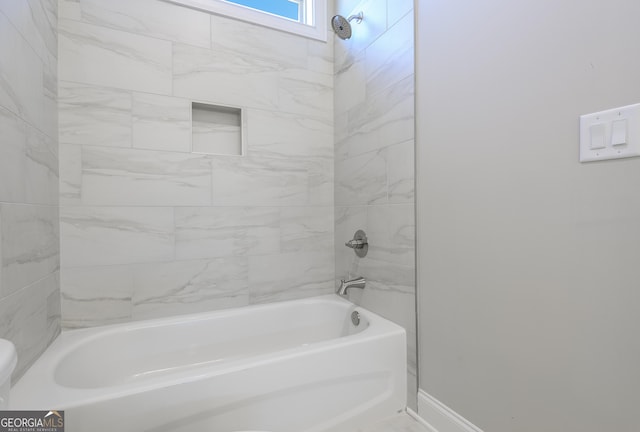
(355, 318)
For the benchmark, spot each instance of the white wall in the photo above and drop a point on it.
(149, 228)
(374, 176)
(529, 300)
(29, 247)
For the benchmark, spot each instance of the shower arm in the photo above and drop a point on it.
(358, 17)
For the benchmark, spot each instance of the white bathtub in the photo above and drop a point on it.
(297, 366)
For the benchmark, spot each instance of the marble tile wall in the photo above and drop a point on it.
(374, 168)
(151, 228)
(29, 234)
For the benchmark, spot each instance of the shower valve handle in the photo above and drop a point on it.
(359, 244)
(355, 244)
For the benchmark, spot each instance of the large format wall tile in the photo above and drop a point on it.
(223, 77)
(306, 229)
(184, 287)
(398, 9)
(41, 168)
(211, 232)
(161, 123)
(350, 88)
(69, 9)
(116, 235)
(385, 118)
(374, 169)
(100, 295)
(105, 57)
(91, 115)
(150, 18)
(13, 158)
(290, 276)
(36, 22)
(29, 228)
(30, 237)
(97, 295)
(390, 58)
(305, 92)
(282, 135)
(50, 99)
(321, 173)
(270, 47)
(245, 181)
(70, 174)
(30, 318)
(121, 177)
(361, 180)
(400, 172)
(21, 82)
(320, 56)
(180, 229)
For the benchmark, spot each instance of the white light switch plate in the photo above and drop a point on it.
(591, 148)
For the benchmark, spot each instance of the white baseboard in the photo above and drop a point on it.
(438, 417)
(420, 420)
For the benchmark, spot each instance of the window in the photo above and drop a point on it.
(291, 9)
(303, 17)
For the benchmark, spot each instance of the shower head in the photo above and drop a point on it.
(342, 25)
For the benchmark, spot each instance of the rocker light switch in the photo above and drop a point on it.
(598, 136)
(610, 134)
(619, 132)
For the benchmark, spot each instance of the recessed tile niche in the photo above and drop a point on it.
(216, 129)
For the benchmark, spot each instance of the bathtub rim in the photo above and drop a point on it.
(43, 370)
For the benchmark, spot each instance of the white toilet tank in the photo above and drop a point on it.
(8, 360)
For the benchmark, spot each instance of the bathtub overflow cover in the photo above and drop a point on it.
(355, 318)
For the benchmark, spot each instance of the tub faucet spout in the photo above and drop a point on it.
(353, 283)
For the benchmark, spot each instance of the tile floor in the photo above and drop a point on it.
(398, 423)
